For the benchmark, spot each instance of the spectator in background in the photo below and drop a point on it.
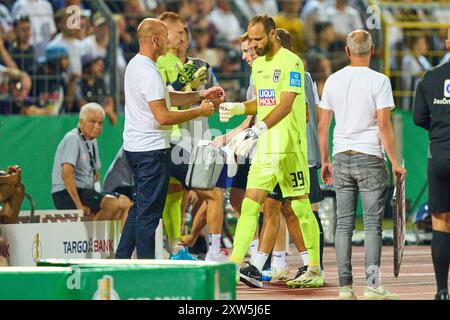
(226, 23)
(214, 56)
(185, 9)
(12, 193)
(128, 44)
(414, 65)
(133, 12)
(5, 57)
(75, 177)
(97, 44)
(202, 9)
(5, 19)
(68, 39)
(85, 25)
(17, 86)
(344, 18)
(21, 49)
(289, 20)
(325, 36)
(93, 87)
(43, 26)
(252, 7)
(313, 12)
(327, 46)
(18, 101)
(49, 87)
(320, 68)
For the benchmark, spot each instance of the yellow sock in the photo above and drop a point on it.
(245, 229)
(172, 217)
(310, 229)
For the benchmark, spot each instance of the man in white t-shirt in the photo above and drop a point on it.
(42, 23)
(344, 18)
(148, 123)
(361, 100)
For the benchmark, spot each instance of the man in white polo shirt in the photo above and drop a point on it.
(361, 100)
(146, 136)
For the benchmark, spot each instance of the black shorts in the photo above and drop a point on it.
(276, 194)
(439, 185)
(240, 179)
(179, 170)
(89, 197)
(126, 191)
(315, 193)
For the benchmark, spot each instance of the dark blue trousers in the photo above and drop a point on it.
(151, 172)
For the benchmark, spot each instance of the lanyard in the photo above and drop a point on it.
(91, 155)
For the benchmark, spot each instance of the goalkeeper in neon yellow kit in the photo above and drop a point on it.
(281, 151)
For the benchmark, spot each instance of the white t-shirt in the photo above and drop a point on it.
(226, 23)
(355, 94)
(344, 21)
(41, 20)
(75, 49)
(90, 47)
(143, 83)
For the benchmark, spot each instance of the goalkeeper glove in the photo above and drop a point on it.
(246, 140)
(230, 109)
(185, 75)
(199, 78)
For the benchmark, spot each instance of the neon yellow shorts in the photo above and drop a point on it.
(289, 170)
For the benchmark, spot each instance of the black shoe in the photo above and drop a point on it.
(251, 276)
(300, 271)
(441, 295)
(200, 246)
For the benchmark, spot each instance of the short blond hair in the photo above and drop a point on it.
(243, 37)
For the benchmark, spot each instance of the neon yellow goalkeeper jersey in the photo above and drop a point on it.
(283, 73)
(167, 65)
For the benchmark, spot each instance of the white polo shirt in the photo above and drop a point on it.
(143, 83)
(355, 94)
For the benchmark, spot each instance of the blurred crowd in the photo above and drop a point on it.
(56, 55)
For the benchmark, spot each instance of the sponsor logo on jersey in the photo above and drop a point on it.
(441, 101)
(276, 75)
(447, 88)
(295, 79)
(267, 97)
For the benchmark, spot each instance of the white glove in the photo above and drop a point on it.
(230, 109)
(244, 146)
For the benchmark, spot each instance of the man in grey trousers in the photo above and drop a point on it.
(361, 101)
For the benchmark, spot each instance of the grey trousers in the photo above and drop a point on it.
(367, 175)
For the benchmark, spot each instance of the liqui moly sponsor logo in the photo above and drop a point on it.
(84, 246)
(267, 97)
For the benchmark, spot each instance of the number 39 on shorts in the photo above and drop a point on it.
(297, 179)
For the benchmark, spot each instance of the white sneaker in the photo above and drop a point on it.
(280, 273)
(347, 294)
(379, 294)
(222, 258)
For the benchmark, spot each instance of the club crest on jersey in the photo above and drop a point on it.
(295, 79)
(447, 88)
(267, 97)
(276, 75)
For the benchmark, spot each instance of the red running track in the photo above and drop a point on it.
(415, 282)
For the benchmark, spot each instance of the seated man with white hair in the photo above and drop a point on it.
(75, 177)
